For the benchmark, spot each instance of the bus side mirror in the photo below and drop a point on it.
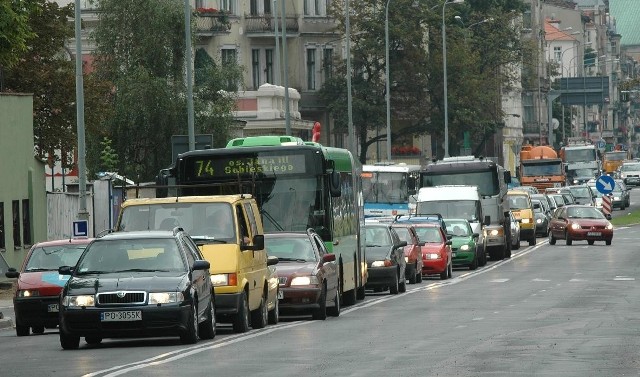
(487, 220)
(507, 177)
(334, 184)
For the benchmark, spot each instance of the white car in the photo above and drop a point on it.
(596, 195)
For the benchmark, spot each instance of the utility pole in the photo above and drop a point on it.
(189, 78)
(83, 214)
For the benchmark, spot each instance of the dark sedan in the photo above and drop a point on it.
(138, 284)
(579, 223)
(307, 274)
(385, 259)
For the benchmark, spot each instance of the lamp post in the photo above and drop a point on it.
(458, 18)
(387, 78)
(444, 69)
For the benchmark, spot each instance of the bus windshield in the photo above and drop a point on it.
(541, 168)
(289, 204)
(487, 181)
(616, 156)
(579, 155)
(385, 187)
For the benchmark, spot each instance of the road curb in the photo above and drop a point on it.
(5, 322)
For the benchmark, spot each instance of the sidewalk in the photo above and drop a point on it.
(5, 301)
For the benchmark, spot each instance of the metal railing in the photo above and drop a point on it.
(263, 23)
(212, 23)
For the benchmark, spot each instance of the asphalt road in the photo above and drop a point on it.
(548, 311)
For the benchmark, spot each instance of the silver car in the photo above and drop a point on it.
(515, 232)
(630, 173)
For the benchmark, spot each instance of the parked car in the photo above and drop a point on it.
(37, 297)
(541, 217)
(582, 194)
(385, 259)
(145, 283)
(436, 250)
(307, 274)
(577, 223)
(464, 251)
(630, 173)
(412, 252)
(515, 232)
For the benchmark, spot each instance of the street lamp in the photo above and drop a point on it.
(459, 19)
(444, 68)
(387, 79)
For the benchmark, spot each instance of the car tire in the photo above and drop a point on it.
(207, 328)
(552, 239)
(69, 342)
(93, 340)
(22, 330)
(568, 239)
(393, 288)
(37, 329)
(474, 263)
(320, 313)
(516, 246)
(334, 311)
(591, 242)
(444, 275)
(274, 314)
(402, 286)
(414, 277)
(607, 242)
(450, 269)
(532, 240)
(191, 335)
(360, 293)
(419, 276)
(241, 319)
(483, 258)
(259, 317)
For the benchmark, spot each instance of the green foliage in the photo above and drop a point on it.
(481, 63)
(108, 157)
(15, 30)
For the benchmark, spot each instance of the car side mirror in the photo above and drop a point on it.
(334, 184)
(476, 235)
(271, 260)
(608, 216)
(448, 243)
(201, 265)
(258, 243)
(328, 258)
(65, 270)
(401, 244)
(12, 273)
(449, 237)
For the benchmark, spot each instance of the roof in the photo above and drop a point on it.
(66, 241)
(552, 33)
(141, 234)
(188, 199)
(627, 18)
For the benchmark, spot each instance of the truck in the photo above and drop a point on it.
(491, 180)
(613, 160)
(456, 202)
(541, 167)
(581, 161)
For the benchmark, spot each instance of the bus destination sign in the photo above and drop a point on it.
(221, 166)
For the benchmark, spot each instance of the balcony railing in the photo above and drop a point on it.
(212, 23)
(264, 23)
(530, 128)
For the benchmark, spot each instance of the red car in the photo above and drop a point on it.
(39, 283)
(307, 274)
(436, 250)
(412, 252)
(579, 223)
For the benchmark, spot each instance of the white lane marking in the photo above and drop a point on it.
(543, 280)
(186, 352)
(477, 319)
(623, 278)
(577, 280)
(498, 280)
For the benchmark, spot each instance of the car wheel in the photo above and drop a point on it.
(93, 340)
(552, 239)
(259, 317)
(241, 319)
(402, 286)
(414, 277)
(393, 288)
(274, 314)
(483, 257)
(191, 335)
(419, 276)
(69, 342)
(474, 263)
(450, 269)
(334, 311)
(207, 328)
(568, 239)
(320, 313)
(22, 330)
(607, 242)
(444, 275)
(37, 329)
(591, 242)
(532, 240)
(516, 246)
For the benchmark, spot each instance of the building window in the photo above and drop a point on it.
(311, 68)
(315, 7)
(268, 70)
(228, 6)
(199, 4)
(327, 62)
(255, 67)
(2, 240)
(229, 57)
(15, 207)
(557, 53)
(26, 223)
(253, 7)
(527, 104)
(267, 6)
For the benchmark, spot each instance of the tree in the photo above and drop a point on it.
(109, 157)
(15, 31)
(480, 65)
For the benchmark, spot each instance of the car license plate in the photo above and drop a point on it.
(280, 295)
(594, 234)
(53, 308)
(121, 316)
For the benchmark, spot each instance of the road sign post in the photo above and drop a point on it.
(606, 205)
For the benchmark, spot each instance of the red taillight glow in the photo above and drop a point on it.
(233, 279)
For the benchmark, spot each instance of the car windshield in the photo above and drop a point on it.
(52, 257)
(584, 213)
(378, 236)
(404, 234)
(581, 192)
(630, 167)
(518, 202)
(429, 235)
(290, 248)
(148, 254)
(458, 228)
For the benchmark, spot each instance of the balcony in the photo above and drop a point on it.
(212, 24)
(261, 24)
(530, 128)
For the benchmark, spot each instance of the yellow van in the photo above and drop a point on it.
(522, 208)
(228, 230)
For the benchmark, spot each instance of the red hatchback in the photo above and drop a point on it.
(39, 283)
(579, 223)
(436, 250)
(412, 252)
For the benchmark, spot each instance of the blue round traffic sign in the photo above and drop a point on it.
(605, 184)
(601, 144)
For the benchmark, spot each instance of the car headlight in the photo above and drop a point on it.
(575, 181)
(623, 175)
(464, 247)
(609, 226)
(526, 221)
(432, 256)
(224, 279)
(28, 293)
(165, 297)
(304, 280)
(381, 263)
(538, 221)
(494, 232)
(575, 226)
(616, 198)
(78, 301)
(406, 259)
